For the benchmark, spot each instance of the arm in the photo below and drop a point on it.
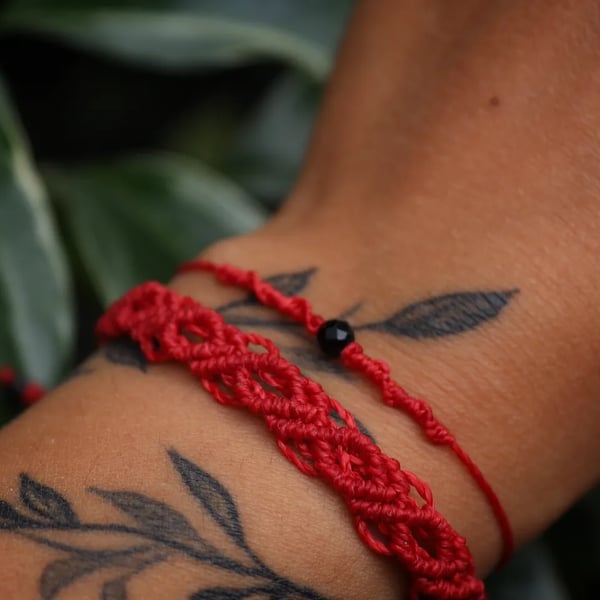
(449, 159)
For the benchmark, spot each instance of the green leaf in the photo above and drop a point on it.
(137, 219)
(270, 148)
(190, 33)
(36, 328)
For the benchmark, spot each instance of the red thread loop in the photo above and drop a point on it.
(379, 494)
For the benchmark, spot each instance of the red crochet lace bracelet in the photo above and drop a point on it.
(246, 370)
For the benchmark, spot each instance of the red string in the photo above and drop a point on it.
(392, 509)
(28, 393)
(377, 371)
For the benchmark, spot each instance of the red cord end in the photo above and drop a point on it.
(31, 393)
(7, 376)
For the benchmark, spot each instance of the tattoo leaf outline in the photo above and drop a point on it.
(46, 502)
(222, 593)
(9, 517)
(61, 573)
(153, 516)
(439, 316)
(156, 532)
(289, 284)
(115, 589)
(212, 496)
(445, 315)
(126, 352)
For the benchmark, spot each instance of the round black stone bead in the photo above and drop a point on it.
(333, 336)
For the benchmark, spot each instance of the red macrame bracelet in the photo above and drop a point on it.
(377, 371)
(378, 493)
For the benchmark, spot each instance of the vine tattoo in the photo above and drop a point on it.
(440, 316)
(124, 351)
(151, 532)
(429, 318)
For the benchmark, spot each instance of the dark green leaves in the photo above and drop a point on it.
(267, 156)
(35, 307)
(177, 34)
(138, 219)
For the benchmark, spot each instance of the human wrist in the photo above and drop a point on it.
(394, 433)
(140, 419)
(441, 371)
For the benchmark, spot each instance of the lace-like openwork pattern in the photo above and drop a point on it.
(246, 370)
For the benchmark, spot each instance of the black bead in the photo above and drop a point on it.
(333, 336)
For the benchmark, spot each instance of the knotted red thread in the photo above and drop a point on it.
(246, 370)
(378, 372)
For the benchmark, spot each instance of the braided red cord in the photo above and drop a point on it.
(377, 371)
(246, 370)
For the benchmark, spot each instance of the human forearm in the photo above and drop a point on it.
(117, 429)
(446, 164)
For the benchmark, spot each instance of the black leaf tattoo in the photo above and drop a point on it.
(230, 593)
(154, 532)
(151, 515)
(61, 573)
(80, 371)
(304, 357)
(9, 517)
(211, 495)
(46, 502)
(440, 316)
(115, 589)
(444, 315)
(126, 352)
(289, 284)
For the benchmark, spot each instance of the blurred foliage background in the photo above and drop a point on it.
(135, 132)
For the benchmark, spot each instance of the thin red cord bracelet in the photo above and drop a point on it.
(377, 371)
(378, 493)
